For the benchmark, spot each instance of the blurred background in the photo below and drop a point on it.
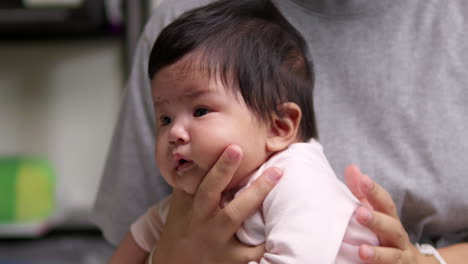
(63, 67)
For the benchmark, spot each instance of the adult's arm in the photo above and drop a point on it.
(198, 230)
(380, 215)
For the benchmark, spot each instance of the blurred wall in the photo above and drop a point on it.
(59, 99)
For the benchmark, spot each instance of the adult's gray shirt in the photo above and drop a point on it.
(391, 95)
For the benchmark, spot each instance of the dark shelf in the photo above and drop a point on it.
(64, 246)
(19, 22)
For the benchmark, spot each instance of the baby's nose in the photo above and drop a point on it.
(178, 135)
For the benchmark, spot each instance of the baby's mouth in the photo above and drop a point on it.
(182, 163)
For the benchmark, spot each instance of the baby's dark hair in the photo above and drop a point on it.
(252, 47)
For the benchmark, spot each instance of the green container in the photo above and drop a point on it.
(27, 190)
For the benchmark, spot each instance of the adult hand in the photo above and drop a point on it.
(199, 230)
(380, 215)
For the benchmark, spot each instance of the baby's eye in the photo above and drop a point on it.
(165, 120)
(201, 112)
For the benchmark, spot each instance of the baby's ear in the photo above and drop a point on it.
(284, 128)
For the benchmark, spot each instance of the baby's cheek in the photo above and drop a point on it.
(209, 155)
(213, 142)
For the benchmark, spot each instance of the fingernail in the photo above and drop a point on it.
(356, 168)
(273, 175)
(233, 152)
(367, 184)
(364, 215)
(367, 252)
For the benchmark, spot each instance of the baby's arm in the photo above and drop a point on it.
(143, 236)
(147, 229)
(128, 251)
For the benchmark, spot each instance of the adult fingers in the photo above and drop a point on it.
(255, 253)
(389, 229)
(385, 255)
(208, 195)
(181, 206)
(245, 254)
(250, 199)
(353, 177)
(389, 255)
(378, 197)
(180, 198)
(180, 202)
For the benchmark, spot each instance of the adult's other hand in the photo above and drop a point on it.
(380, 215)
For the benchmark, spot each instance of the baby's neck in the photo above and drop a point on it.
(228, 194)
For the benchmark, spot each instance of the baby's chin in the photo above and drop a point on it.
(187, 189)
(188, 183)
(192, 189)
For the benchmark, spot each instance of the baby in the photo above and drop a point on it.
(236, 72)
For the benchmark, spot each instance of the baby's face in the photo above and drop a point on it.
(197, 119)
